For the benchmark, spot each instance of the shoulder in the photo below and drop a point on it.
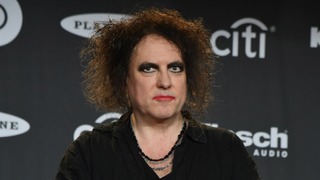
(218, 134)
(219, 139)
(103, 133)
(100, 134)
(207, 134)
(231, 151)
(222, 138)
(108, 128)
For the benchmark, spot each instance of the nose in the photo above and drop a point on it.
(164, 80)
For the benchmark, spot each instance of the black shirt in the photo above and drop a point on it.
(149, 173)
(204, 153)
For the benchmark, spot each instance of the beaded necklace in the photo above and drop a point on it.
(166, 157)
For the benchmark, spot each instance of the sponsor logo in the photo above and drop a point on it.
(83, 24)
(105, 118)
(314, 37)
(10, 21)
(248, 35)
(11, 125)
(267, 144)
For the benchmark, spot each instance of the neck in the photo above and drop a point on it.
(152, 127)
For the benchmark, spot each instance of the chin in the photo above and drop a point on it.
(164, 113)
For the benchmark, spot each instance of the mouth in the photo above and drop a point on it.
(163, 98)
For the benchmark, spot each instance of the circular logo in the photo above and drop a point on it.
(10, 21)
(11, 125)
(4, 16)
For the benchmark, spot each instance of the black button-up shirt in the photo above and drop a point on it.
(109, 152)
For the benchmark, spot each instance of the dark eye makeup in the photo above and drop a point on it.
(175, 67)
(147, 67)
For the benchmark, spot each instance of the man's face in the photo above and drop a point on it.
(156, 84)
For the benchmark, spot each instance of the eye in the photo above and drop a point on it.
(175, 69)
(149, 70)
(148, 67)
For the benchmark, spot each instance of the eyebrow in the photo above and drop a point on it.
(147, 64)
(153, 65)
(176, 63)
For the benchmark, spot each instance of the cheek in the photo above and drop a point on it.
(184, 83)
(185, 90)
(137, 86)
(182, 87)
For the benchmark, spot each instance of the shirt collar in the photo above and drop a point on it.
(194, 131)
(195, 128)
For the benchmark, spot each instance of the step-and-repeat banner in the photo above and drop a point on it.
(267, 81)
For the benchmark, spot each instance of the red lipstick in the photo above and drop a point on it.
(163, 98)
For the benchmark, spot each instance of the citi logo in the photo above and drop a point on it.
(82, 24)
(248, 35)
(10, 21)
(11, 125)
(105, 118)
(314, 37)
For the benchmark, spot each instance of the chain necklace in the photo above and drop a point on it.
(162, 168)
(157, 162)
(165, 158)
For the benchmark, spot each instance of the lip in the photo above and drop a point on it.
(164, 98)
